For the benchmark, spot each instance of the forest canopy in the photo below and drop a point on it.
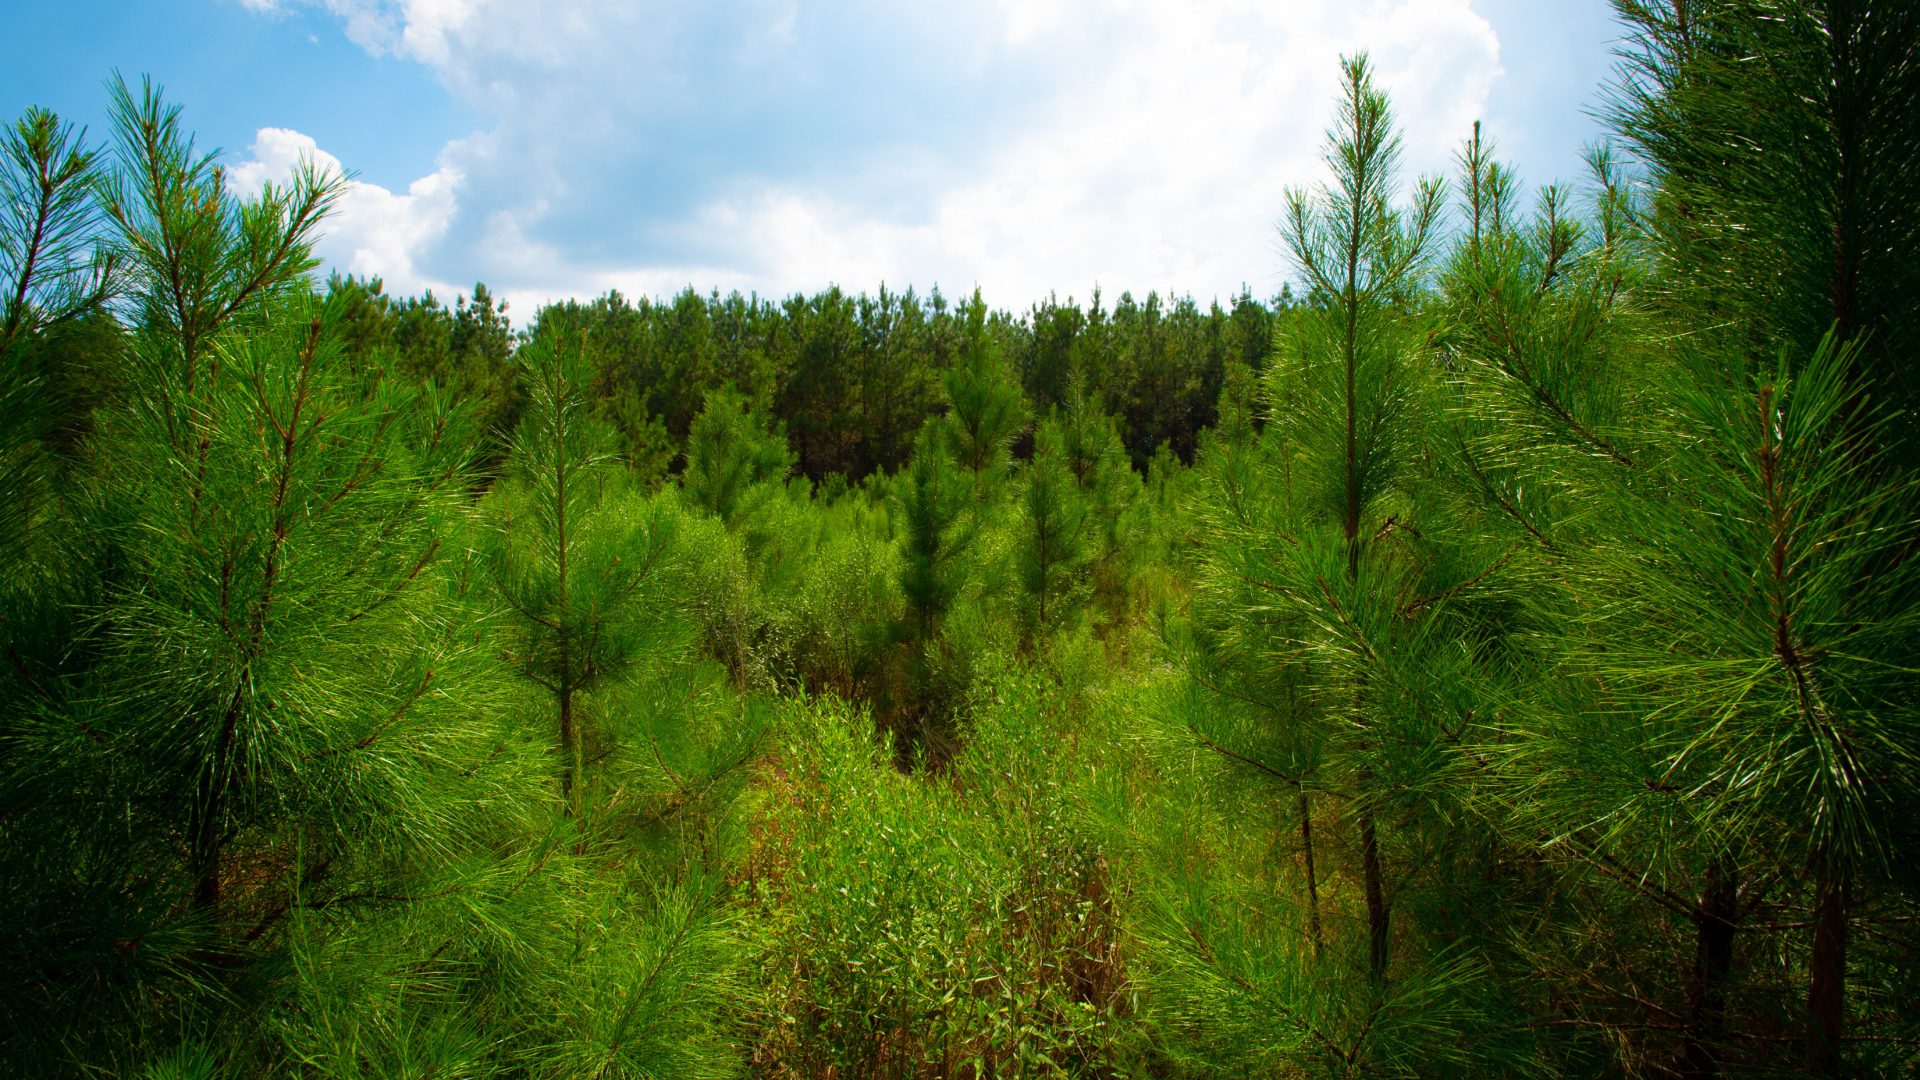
(1494, 655)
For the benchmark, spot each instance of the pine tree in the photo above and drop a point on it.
(1249, 699)
(985, 409)
(1672, 526)
(1343, 409)
(1781, 141)
(195, 256)
(275, 633)
(935, 521)
(1054, 551)
(1340, 621)
(55, 279)
(52, 268)
(1551, 387)
(572, 549)
(262, 702)
(735, 462)
(1092, 450)
(1735, 711)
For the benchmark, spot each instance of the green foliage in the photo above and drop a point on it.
(853, 377)
(984, 409)
(1053, 551)
(195, 256)
(256, 569)
(913, 926)
(1780, 138)
(1324, 574)
(465, 351)
(267, 786)
(935, 525)
(1498, 662)
(1094, 453)
(54, 270)
(573, 550)
(735, 463)
(1769, 678)
(55, 279)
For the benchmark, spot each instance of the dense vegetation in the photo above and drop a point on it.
(1498, 660)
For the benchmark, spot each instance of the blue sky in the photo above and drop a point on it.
(1025, 146)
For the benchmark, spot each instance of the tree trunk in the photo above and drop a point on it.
(1377, 942)
(1313, 885)
(1714, 925)
(567, 754)
(206, 845)
(209, 806)
(1827, 974)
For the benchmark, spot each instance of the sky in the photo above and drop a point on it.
(1024, 147)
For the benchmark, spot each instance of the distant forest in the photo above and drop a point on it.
(1496, 655)
(852, 377)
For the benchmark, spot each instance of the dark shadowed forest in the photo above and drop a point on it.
(1498, 654)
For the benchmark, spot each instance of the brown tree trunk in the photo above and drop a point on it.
(1313, 885)
(1827, 974)
(1714, 921)
(1377, 941)
(209, 807)
(566, 746)
(206, 845)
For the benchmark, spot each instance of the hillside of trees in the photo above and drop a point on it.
(1496, 655)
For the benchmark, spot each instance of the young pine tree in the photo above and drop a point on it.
(54, 282)
(1345, 415)
(276, 508)
(1780, 141)
(1096, 457)
(1779, 138)
(1053, 553)
(572, 550)
(196, 257)
(932, 507)
(985, 408)
(52, 268)
(735, 461)
(1740, 715)
(1337, 627)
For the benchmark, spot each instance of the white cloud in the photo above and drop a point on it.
(1152, 150)
(375, 232)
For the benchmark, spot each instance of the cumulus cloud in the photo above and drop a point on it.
(1026, 146)
(375, 232)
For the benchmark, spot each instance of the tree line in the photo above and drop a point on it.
(852, 377)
